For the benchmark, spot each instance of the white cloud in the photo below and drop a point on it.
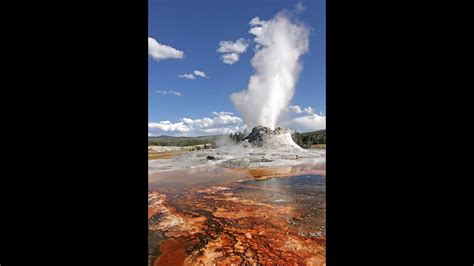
(227, 119)
(307, 123)
(297, 109)
(222, 113)
(257, 31)
(239, 46)
(256, 21)
(221, 123)
(159, 51)
(231, 50)
(187, 120)
(230, 58)
(199, 73)
(220, 119)
(187, 76)
(299, 8)
(196, 73)
(177, 93)
(203, 122)
(222, 130)
(309, 110)
(168, 126)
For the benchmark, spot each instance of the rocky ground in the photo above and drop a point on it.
(236, 157)
(154, 148)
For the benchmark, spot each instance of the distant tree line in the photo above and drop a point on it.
(306, 140)
(180, 142)
(237, 136)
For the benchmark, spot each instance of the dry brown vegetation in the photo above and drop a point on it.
(153, 155)
(318, 146)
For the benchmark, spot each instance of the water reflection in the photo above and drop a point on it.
(221, 175)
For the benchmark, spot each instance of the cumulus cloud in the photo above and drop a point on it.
(169, 126)
(187, 76)
(309, 110)
(159, 51)
(306, 123)
(227, 119)
(220, 119)
(238, 46)
(222, 113)
(199, 73)
(256, 21)
(230, 58)
(222, 130)
(297, 109)
(230, 50)
(187, 120)
(201, 123)
(196, 73)
(176, 93)
(299, 8)
(221, 123)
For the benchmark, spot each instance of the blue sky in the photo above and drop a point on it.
(192, 32)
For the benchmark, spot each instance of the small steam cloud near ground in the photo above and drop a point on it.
(279, 45)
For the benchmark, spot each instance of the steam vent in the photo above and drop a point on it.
(265, 137)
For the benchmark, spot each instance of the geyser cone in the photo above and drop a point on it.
(280, 138)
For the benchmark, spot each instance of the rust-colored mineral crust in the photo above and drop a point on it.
(278, 221)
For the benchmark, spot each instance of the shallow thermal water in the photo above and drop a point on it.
(223, 216)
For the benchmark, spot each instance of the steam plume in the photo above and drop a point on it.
(279, 45)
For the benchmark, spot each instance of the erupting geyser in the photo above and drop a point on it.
(279, 45)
